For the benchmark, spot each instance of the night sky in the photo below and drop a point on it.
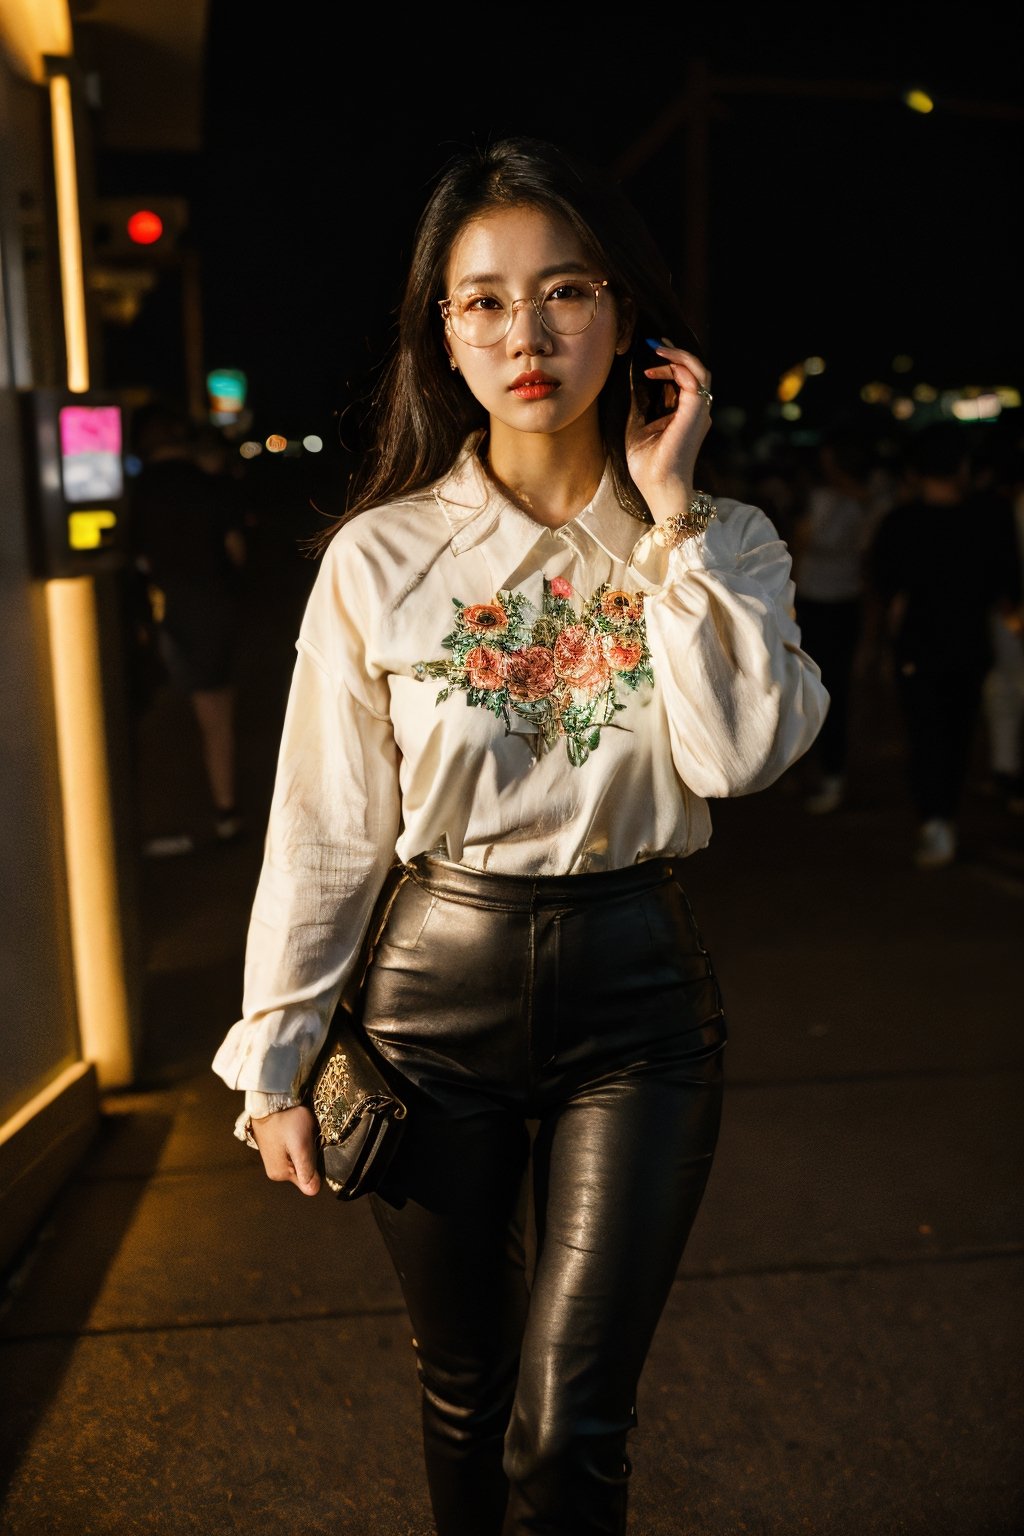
(849, 228)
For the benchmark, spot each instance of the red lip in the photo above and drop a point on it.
(533, 386)
(536, 377)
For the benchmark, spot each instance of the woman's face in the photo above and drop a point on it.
(532, 380)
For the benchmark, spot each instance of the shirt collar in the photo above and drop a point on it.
(477, 511)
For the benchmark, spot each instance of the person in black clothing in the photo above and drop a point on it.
(941, 561)
(838, 513)
(189, 544)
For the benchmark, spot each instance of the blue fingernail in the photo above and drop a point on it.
(652, 341)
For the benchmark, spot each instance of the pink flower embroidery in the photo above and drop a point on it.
(486, 667)
(531, 673)
(560, 587)
(623, 655)
(580, 659)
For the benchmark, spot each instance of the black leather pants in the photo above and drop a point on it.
(584, 1009)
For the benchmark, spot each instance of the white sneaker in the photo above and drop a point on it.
(936, 844)
(228, 826)
(828, 796)
(168, 847)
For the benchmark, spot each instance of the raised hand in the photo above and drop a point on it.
(662, 454)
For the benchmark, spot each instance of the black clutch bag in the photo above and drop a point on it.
(360, 1116)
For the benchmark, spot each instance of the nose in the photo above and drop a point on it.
(526, 335)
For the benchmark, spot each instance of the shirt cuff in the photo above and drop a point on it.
(656, 566)
(257, 1107)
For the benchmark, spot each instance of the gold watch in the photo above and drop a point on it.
(681, 526)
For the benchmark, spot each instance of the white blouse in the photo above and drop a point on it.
(526, 700)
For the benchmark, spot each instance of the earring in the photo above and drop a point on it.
(452, 364)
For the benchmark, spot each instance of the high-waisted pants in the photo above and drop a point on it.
(572, 1025)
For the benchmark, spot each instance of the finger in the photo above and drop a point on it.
(685, 385)
(307, 1180)
(671, 373)
(302, 1156)
(276, 1164)
(286, 1146)
(682, 375)
(688, 360)
(664, 347)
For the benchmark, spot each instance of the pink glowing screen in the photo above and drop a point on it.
(90, 446)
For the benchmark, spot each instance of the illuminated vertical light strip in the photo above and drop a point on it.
(103, 1013)
(69, 234)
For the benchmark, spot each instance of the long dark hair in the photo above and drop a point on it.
(423, 411)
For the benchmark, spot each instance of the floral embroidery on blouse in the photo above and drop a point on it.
(556, 668)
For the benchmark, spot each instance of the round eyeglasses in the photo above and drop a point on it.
(482, 319)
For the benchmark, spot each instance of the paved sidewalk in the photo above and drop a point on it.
(190, 1349)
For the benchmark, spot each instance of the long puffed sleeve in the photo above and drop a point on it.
(743, 700)
(330, 840)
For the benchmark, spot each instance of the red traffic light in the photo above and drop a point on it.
(144, 227)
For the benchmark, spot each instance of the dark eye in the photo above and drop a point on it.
(566, 292)
(479, 303)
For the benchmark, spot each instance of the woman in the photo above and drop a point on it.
(525, 544)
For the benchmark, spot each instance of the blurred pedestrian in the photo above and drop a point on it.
(941, 561)
(528, 541)
(832, 532)
(188, 540)
(831, 536)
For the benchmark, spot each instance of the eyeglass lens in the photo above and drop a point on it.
(482, 319)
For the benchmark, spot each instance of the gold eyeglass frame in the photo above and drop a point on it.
(445, 306)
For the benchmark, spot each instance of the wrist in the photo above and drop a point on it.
(260, 1107)
(260, 1104)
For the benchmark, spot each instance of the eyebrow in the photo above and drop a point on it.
(552, 271)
